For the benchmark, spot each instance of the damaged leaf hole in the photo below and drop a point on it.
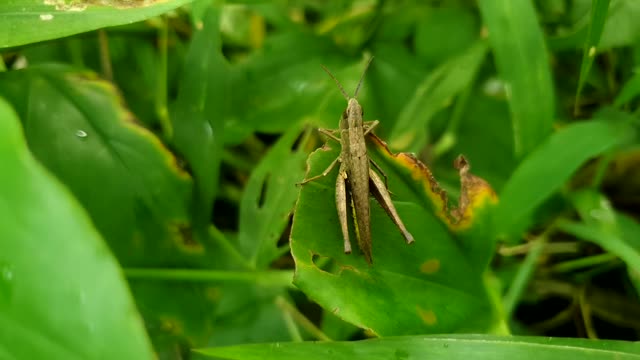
(325, 263)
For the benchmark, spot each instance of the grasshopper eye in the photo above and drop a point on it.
(344, 114)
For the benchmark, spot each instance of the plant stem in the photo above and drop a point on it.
(105, 56)
(270, 278)
(581, 263)
(523, 275)
(161, 82)
(301, 319)
(448, 138)
(294, 332)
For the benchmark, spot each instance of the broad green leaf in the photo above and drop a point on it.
(199, 112)
(451, 347)
(545, 170)
(435, 93)
(29, 21)
(127, 180)
(268, 200)
(432, 286)
(523, 64)
(57, 277)
(599, 10)
(600, 224)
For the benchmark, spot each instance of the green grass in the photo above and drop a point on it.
(149, 157)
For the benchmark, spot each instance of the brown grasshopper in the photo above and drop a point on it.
(355, 178)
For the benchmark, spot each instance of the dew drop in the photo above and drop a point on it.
(81, 134)
(6, 273)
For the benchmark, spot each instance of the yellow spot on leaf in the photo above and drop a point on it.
(171, 325)
(213, 293)
(427, 316)
(182, 236)
(430, 266)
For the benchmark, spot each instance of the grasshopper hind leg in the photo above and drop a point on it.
(381, 194)
(342, 201)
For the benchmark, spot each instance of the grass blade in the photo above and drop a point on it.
(599, 10)
(549, 167)
(522, 61)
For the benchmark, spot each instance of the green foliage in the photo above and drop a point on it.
(179, 141)
(46, 299)
(441, 347)
(29, 21)
(431, 286)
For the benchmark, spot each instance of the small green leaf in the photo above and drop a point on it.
(29, 21)
(459, 23)
(435, 93)
(630, 90)
(284, 85)
(57, 277)
(198, 114)
(451, 347)
(523, 64)
(602, 225)
(268, 200)
(545, 170)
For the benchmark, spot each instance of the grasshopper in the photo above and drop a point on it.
(355, 178)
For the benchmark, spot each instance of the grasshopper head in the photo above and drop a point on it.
(354, 110)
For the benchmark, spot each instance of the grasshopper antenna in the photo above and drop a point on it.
(344, 93)
(355, 95)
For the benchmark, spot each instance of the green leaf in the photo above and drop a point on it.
(603, 226)
(523, 64)
(57, 277)
(284, 85)
(492, 153)
(394, 70)
(127, 180)
(268, 200)
(621, 27)
(461, 26)
(546, 169)
(599, 10)
(29, 21)
(198, 115)
(450, 347)
(630, 90)
(434, 94)
(435, 285)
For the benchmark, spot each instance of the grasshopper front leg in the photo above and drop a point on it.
(384, 199)
(324, 173)
(369, 126)
(330, 133)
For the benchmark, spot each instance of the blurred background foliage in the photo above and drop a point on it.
(182, 137)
